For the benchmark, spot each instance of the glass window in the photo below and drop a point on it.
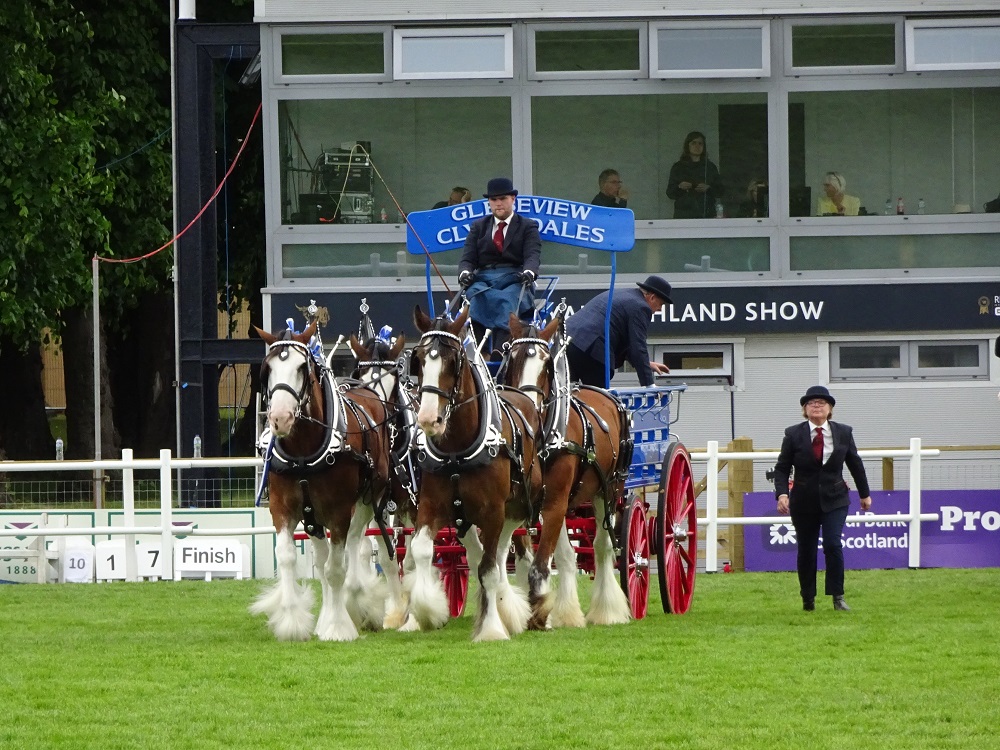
(696, 364)
(453, 53)
(908, 360)
(588, 50)
(333, 54)
(943, 45)
(643, 137)
(932, 151)
(894, 251)
(333, 153)
(843, 45)
(719, 50)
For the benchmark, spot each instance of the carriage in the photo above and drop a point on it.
(621, 532)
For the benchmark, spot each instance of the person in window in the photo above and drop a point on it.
(458, 195)
(754, 206)
(694, 184)
(499, 263)
(611, 193)
(631, 313)
(817, 450)
(835, 202)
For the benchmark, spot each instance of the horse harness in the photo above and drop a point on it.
(489, 440)
(334, 442)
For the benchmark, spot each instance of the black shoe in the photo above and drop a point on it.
(808, 605)
(840, 605)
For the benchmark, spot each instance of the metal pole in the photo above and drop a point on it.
(98, 473)
(174, 270)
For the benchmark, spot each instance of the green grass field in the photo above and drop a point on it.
(182, 665)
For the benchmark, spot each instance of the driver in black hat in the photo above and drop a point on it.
(631, 313)
(500, 262)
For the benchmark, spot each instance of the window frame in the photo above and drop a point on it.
(765, 41)
(908, 370)
(791, 70)
(642, 71)
(730, 375)
(912, 27)
(280, 77)
(400, 35)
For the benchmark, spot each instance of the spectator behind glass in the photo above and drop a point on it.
(611, 194)
(694, 184)
(755, 204)
(458, 195)
(835, 202)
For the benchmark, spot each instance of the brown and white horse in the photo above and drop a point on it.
(479, 467)
(586, 448)
(330, 451)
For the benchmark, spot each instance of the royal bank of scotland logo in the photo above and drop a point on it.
(988, 306)
(782, 534)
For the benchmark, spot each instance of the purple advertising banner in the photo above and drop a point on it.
(966, 536)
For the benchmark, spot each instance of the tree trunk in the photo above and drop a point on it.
(142, 375)
(78, 363)
(24, 426)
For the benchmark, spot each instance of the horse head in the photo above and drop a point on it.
(528, 360)
(439, 363)
(288, 378)
(378, 364)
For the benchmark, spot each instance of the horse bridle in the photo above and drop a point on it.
(302, 395)
(545, 347)
(459, 349)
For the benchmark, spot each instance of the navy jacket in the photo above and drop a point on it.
(522, 246)
(818, 487)
(630, 318)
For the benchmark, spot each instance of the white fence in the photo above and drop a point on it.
(166, 529)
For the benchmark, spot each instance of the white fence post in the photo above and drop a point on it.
(128, 508)
(166, 517)
(915, 503)
(712, 509)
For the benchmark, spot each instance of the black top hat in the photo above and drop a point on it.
(499, 186)
(818, 391)
(658, 286)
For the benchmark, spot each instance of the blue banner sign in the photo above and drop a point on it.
(558, 220)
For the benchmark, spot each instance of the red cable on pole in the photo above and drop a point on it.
(204, 208)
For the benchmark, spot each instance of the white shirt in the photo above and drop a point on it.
(827, 438)
(506, 225)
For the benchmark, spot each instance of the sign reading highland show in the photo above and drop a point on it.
(967, 535)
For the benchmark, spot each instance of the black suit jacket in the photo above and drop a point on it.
(818, 487)
(522, 246)
(630, 318)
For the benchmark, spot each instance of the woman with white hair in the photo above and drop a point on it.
(835, 202)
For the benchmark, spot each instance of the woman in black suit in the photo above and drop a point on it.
(817, 450)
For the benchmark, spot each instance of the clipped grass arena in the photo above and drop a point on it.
(183, 665)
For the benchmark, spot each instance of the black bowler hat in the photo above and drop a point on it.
(818, 391)
(658, 286)
(499, 186)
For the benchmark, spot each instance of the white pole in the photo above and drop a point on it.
(915, 502)
(712, 509)
(174, 270)
(128, 506)
(99, 473)
(166, 517)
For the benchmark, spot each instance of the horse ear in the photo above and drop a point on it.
(398, 346)
(516, 327)
(303, 338)
(550, 330)
(267, 338)
(420, 320)
(359, 351)
(461, 320)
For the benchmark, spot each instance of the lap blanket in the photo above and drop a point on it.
(493, 296)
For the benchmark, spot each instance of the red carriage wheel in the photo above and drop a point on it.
(633, 565)
(455, 577)
(676, 531)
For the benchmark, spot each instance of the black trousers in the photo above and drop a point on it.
(584, 368)
(807, 525)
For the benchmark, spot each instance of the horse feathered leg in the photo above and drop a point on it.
(321, 553)
(608, 603)
(395, 612)
(524, 556)
(566, 613)
(428, 603)
(365, 596)
(287, 604)
(512, 602)
(339, 625)
(489, 626)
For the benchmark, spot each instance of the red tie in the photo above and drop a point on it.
(498, 237)
(818, 445)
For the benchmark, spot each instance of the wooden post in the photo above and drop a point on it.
(888, 477)
(740, 481)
